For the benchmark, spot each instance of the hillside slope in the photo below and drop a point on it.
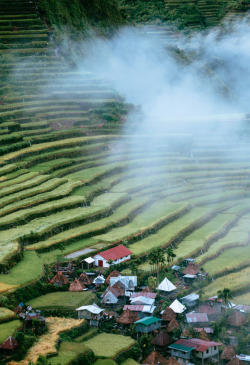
(72, 179)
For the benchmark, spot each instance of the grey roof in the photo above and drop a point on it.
(191, 297)
(196, 317)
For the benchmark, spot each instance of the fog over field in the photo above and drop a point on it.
(187, 78)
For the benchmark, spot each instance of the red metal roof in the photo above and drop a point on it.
(134, 308)
(197, 344)
(9, 344)
(143, 294)
(115, 253)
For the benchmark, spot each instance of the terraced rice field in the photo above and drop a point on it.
(109, 345)
(73, 177)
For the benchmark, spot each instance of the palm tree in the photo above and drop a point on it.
(157, 260)
(225, 295)
(133, 267)
(170, 255)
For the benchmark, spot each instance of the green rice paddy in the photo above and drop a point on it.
(8, 329)
(106, 345)
(70, 178)
(62, 300)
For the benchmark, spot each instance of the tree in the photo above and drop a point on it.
(145, 344)
(133, 267)
(152, 282)
(170, 255)
(110, 262)
(225, 295)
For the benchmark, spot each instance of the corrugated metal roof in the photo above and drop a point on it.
(143, 294)
(177, 346)
(197, 344)
(146, 321)
(191, 297)
(140, 308)
(115, 253)
(142, 300)
(196, 317)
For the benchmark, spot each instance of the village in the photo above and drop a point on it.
(170, 328)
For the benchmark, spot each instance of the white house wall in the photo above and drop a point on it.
(98, 258)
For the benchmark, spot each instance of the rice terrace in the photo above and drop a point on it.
(124, 130)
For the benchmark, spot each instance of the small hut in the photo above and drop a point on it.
(76, 286)
(173, 325)
(59, 279)
(19, 309)
(228, 353)
(118, 288)
(173, 361)
(155, 358)
(113, 274)
(237, 319)
(236, 361)
(148, 324)
(127, 317)
(166, 286)
(191, 269)
(162, 339)
(177, 307)
(147, 290)
(203, 335)
(9, 344)
(110, 296)
(84, 279)
(168, 315)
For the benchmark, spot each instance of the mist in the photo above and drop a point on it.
(192, 78)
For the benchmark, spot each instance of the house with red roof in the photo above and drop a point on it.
(195, 349)
(117, 254)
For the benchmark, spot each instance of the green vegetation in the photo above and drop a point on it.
(104, 362)
(109, 345)
(8, 329)
(29, 269)
(62, 300)
(130, 362)
(236, 281)
(68, 352)
(6, 314)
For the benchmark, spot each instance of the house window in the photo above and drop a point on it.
(215, 348)
(207, 351)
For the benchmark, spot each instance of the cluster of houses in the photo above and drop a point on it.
(138, 309)
(181, 331)
(28, 316)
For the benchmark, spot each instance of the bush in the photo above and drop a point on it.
(134, 352)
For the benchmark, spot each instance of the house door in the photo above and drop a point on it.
(100, 263)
